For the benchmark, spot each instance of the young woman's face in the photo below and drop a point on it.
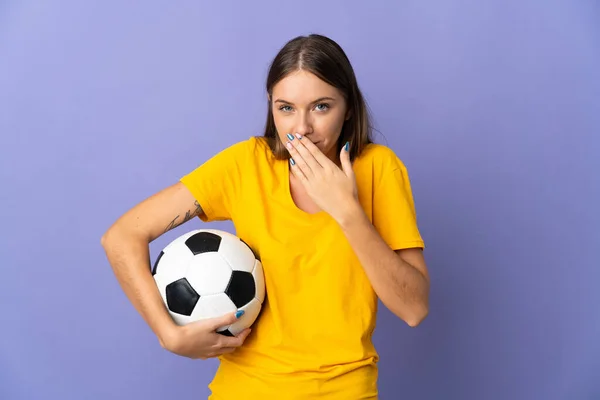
(302, 103)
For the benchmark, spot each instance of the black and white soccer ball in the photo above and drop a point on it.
(208, 273)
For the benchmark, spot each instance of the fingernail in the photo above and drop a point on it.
(298, 136)
(347, 146)
(292, 161)
(239, 313)
(290, 136)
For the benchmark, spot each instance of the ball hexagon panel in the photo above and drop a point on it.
(212, 306)
(238, 260)
(176, 259)
(209, 274)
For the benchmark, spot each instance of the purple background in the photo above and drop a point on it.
(493, 106)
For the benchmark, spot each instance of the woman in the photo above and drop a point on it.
(331, 216)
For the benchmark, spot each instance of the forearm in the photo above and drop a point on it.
(402, 288)
(130, 261)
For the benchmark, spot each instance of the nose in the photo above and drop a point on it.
(303, 124)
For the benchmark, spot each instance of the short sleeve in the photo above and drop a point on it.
(394, 214)
(215, 183)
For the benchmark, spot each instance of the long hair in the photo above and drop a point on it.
(324, 58)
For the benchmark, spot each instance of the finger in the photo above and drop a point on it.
(226, 319)
(317, 154)
(305, 162)
(225, 350)
(298, 173)
(235, 341)
(297, 170)
(345, 160)
(296, 146)
(244, 334)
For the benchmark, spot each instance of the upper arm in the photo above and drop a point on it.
(159, 213)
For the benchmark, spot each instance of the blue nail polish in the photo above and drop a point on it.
(239, 313)
(292, 161)
(290, 136)
(347, 146)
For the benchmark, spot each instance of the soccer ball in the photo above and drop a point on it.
(208, 273)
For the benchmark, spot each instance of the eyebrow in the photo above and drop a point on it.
(313, 102)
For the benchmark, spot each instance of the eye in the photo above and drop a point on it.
(323, 107)
(285, 108)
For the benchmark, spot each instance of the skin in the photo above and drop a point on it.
(321, 179)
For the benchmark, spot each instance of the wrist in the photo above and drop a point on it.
(349, 214)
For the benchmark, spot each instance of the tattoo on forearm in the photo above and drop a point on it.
(188, 215)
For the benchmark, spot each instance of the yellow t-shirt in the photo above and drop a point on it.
(313, 336)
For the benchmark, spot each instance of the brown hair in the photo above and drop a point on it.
(324, 58)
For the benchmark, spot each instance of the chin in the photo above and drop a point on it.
(322, 147)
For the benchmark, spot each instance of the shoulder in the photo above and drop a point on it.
(231, 164)
(247, 150)
(379, 159)
(378, 165)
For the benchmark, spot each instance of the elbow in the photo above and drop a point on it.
(419, 310)
(105, 239)
(411, 315)
(418, 317)
(109, 237)
(118, 237)
(417, 314)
